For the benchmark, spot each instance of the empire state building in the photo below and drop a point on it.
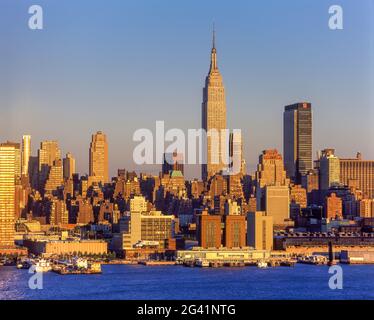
(214, 119)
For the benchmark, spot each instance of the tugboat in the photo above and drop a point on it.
(262, 264)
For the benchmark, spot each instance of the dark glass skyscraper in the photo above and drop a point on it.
(297, 140)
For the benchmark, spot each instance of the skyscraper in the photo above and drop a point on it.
(214, 119)
(329, 169)
(69, 166)
(26, 153)
(17, 150)
(98, 157)
(7, 195)
(297, 140)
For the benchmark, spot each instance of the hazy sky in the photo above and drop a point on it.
(117, 66)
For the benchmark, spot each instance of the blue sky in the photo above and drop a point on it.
(117, 66)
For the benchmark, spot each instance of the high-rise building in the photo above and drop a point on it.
(297, 140)
(138, 204)
(209, 230)
(237, 165)
(259, 231)
(69, 166)
(7, 195)
(48, 153)
(214, 120)
(173, 162)
(26, 154)
(329, 169)
(59, 214)
(235, 231)
(277, 203)
(98, 157)
(270, 172)
(55, 177)
(333, 206)
(358, 172)
(17, 149)
(365, 208)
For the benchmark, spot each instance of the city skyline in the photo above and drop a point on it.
(248, 78)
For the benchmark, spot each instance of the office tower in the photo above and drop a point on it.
(235, 231)
(26, 154)
(208, 230)
(48, 153)
(333, 207)
(277, 203)
(329, 169)
(173, 162)
(259, 231)
(99, 170)
(69, 166)
(358, 172)
(7, 195)
(214, 120)
(17, 149)
(236, 153)
(297, 140)
(270, 172)
(55, 177)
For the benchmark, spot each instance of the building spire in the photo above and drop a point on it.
(213, 59)
(214, 36)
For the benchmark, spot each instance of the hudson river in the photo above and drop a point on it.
(177, 282)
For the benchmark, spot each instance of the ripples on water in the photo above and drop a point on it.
(177, 282)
